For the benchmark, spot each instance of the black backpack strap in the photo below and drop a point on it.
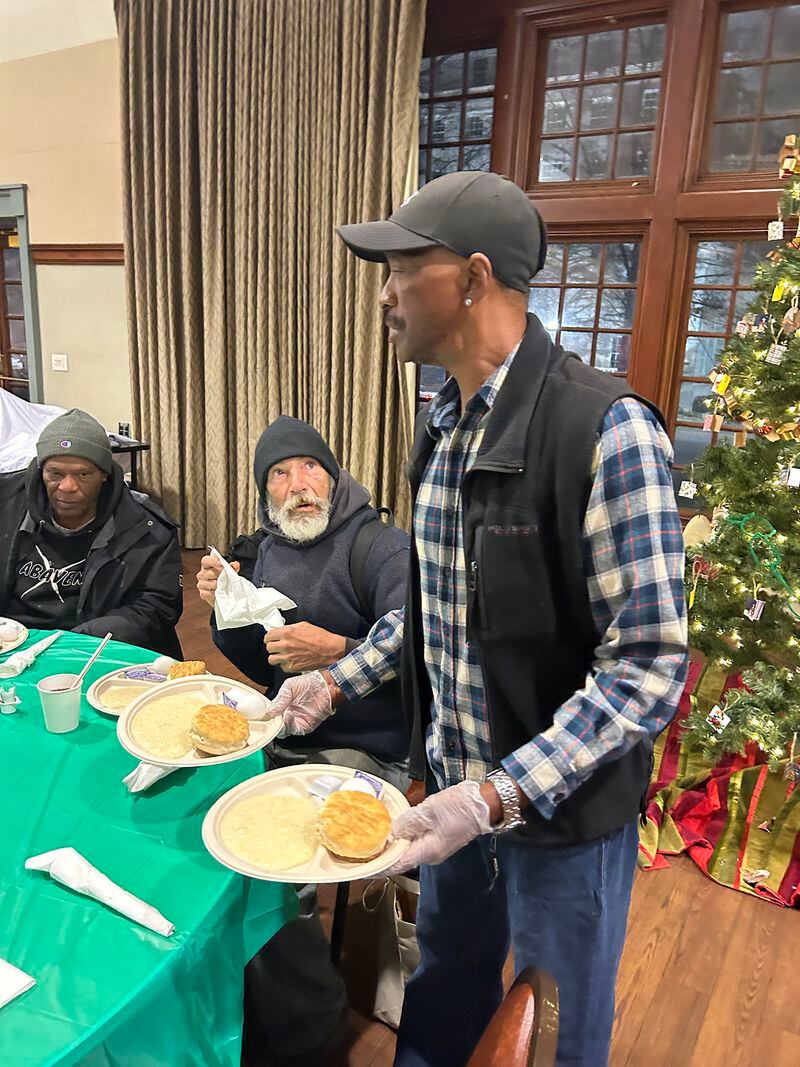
(359, 551)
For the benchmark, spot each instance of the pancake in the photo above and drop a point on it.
(187, 669)
(354, 826)
(117, 697)
(162, 726)
(274, 833)
(218, 729)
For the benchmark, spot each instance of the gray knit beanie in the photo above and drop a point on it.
(75, 433)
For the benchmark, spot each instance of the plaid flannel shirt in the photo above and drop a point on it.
(633, 552)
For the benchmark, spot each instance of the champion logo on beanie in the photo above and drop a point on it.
(65, 444)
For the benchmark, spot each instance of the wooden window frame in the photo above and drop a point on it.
(539, 33)
(697, 177)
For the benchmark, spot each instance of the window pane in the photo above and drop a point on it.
(640, 102)
(691, 404)
(752, 254)
(422, 170)
(786, 33)
(599, 108)
(448, 74)
(11, 264)
(594, 157)
(19, 366)
(782, 93)
(551, 271)
(616, 307)
(745, 35)
(715, 262)
(423, 124)
(613, 352)
(744, 299)
(544, 303)
(446, 122)
(622, 262)
(738, 92)
(709, 311)
(583, 264)
(476, 157)
(645, 49)
(478, 119)
(431, 379)
(555, 162)
(689, 442)
(481, 71)
(701, 355)
(16, 333)
(443, 161)
(579, 307)
(770, 139)
(564, 59)
(14, 299)
(559, 110)
(633, 155)
(425, 76)
(603, 54)
(731, 146)
(578, 342)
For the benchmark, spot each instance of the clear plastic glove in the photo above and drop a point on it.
(304, 702)
(441, 825)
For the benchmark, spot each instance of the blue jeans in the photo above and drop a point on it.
(563, 909)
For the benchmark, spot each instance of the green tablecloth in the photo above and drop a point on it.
(109, 991)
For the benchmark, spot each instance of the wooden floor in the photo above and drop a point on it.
(709, 977)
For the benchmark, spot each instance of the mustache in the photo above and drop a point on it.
(298, 499)
(392, 322)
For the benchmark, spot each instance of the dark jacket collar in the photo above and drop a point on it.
(507, 424)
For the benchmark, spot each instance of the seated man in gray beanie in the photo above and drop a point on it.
(79, 551)
(322, 544)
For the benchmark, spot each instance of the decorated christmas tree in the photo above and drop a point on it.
(743, 552)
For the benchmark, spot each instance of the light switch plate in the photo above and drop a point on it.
(59, 361)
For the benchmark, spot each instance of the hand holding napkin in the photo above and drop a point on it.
(144, 775)
(69, 867)
(13, 981)
(20, 661)
(239, 603)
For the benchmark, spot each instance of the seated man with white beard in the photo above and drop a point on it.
(312, 512)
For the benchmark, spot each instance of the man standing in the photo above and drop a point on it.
(79, 551)
(544, 643)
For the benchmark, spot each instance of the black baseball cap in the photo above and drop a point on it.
(466, 212)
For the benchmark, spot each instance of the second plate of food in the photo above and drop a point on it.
(192, 723)
(279, 826)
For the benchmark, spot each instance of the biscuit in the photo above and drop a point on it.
(354, 826)
(218, 729)
(186, 669)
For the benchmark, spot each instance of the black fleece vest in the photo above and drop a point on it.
(523, 507)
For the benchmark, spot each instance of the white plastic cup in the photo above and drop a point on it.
(62, 709)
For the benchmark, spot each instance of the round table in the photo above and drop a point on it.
(107, 990)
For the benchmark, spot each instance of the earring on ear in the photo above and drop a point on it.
(468, 302)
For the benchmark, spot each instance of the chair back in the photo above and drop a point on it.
(523, 1031)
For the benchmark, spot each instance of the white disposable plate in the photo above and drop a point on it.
(94, 694)
(209, 689)
(323, 867)
(11, 645)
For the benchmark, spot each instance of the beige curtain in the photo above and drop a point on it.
(250, 129)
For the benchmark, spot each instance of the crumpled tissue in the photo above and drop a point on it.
(239, 603)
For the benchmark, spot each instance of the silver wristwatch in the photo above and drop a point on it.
(507, 791)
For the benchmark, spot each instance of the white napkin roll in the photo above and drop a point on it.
(69, 867)
(237, 602)
(144, 775)
(20, 661)
(13, 981)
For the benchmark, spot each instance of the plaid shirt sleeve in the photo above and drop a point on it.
(375, 661)
(633, 548)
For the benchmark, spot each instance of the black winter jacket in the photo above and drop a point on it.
(132, 578)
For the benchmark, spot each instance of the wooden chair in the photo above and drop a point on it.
(524, 1030)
